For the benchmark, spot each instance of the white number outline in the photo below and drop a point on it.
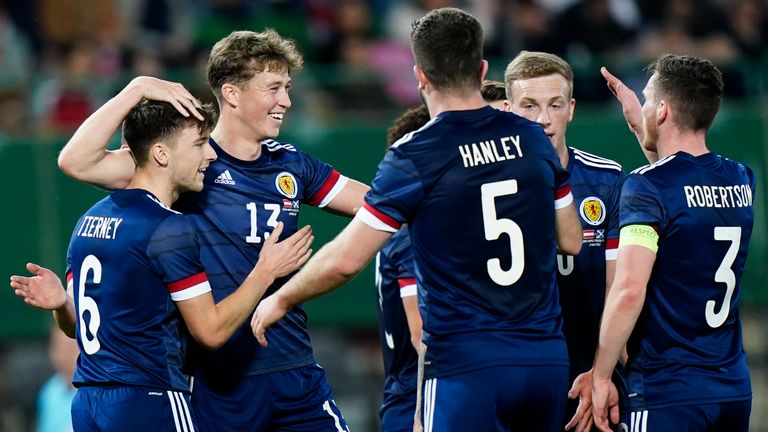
(494, 227)
(254, 237)
(725, 275)
(85, 303)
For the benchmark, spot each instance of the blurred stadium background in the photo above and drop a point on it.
(60, 59)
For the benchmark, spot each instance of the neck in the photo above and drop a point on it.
(235, 141)
(438, 102)
(693, 143)
(156, 183)
(562, 154)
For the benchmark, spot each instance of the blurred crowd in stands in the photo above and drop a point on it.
(60, 59)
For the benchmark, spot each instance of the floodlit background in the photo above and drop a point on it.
(61, 59)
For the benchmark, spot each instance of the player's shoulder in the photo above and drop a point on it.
(659, 167)
(273, 146)
(595, 163)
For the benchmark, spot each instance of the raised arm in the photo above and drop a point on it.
(44, 291)
(85, 156)
(212, 324)
(630, 106)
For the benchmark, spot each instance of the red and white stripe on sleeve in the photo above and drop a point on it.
(611, 249)
(70, 277)
(376, 219)
(189, 287)
(563, 197)
(407, 287)
(328, 191)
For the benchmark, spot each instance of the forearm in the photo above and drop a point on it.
(85, 156)
(66, 318)
(621, 312)
(568, 230)
(326, 271)
(229, 314)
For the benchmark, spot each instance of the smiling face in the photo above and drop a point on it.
(191, 153)
(545, 100)
(263, 101)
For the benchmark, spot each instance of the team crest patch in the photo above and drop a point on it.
(592, 210)
(285, 182)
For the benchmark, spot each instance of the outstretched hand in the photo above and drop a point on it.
(630, 103)
(167, 91)
(582, 419)
(287, 256)
(42, 291)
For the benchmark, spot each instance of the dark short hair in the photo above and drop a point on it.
(535, 64)
(493, 91)
(408, 121)
(239, 56)
(447, 44)
(151, 121)
(694, 87)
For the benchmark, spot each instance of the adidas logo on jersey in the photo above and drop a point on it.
(225, 178)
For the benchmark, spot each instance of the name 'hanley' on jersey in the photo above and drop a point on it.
(718, 196)
(486, 152)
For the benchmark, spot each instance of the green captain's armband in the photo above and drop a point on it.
(639, 235)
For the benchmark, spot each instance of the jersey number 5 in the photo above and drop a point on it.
(725, 275)
(85, 303)
(494, 227)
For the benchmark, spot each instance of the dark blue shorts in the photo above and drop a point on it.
(717, 417)
(131, 409)
(397, 414)
(501, 398)
(294, 400)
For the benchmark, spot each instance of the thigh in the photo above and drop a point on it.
(303, 402)
(242, 406)
(500, 399)
(397, 415)
(131, 409)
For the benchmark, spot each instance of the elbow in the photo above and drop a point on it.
(570, 245)
(67, 164)
(210, 340)
(346, 269)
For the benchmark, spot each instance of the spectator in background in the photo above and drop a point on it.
(55, 397)
(748, 27)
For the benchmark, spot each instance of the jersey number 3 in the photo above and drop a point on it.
(725, 275)
(495, 227)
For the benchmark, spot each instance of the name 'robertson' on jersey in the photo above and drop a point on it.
(718, 196)
(486, 152)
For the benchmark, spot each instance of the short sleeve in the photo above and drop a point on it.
(395, 193)
(175, 253)
(641, 203)
(612, 218)
(322, 182)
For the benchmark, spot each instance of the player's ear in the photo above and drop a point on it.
(572, 104)
(159, 152)
(421, 77)
(230, 94)
(662, 112)
(483, 70)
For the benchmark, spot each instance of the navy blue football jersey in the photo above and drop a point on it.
(478, 189)
(129, 259)
(686, 347)
(596, 186)
(395, 279)
(240, 205)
